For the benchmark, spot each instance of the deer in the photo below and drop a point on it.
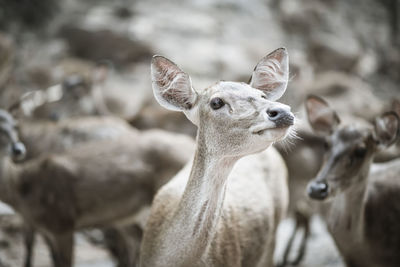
(42, 137)
(307, 151)
(223, 207)
(48, 137)
(361, 198)
(98, 184)
(392, 152)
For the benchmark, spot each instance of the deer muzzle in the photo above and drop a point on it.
(317, 190)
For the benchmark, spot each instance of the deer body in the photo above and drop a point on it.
(362, 221)
(104, 183)
(48, 137)
(245, 221)
(223, 208)
(363, 214)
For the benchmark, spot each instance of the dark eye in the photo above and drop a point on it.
(264, 96)
(216, 103)
(360, 152)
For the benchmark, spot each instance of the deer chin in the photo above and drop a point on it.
(272, 133)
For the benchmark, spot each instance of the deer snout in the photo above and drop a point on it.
(317, 190)
(18, 151)
(281, 117)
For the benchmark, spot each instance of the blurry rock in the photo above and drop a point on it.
(301, 75)
(124, 95)
(123, 12)
(36, 63)
(300, 17)
(73, 66)
(97, 45)
(30, 15)
(390, 63)
(368, 64)
(154, 116)
(6, 58)
(40, 76)
(347, 94)
(334, 52)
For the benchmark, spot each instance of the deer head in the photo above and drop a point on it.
(349, 149)
(9, 142)
(233, 118)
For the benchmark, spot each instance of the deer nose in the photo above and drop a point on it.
(18, 151)
(281, 117)
(317, 190)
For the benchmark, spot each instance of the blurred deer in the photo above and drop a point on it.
(307, 151)
(363, 212)
(96, 91)
(99, 184)
(221, 210)
(392, 152)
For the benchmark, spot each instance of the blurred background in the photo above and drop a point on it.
(72, 58)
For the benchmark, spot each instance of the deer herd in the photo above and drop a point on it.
(170, 200)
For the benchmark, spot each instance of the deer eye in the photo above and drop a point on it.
(360, 152)
(217, 103)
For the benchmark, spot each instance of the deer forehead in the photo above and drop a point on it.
(348, 137)
(233, 92)
(353, 134)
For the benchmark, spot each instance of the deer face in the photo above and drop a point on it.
(240, 119)
(235, 119)
(9, 143)
(349, 149)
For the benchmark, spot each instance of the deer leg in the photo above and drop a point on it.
(302, 250)
(289, 244)
(116, 246)
(124, 244)
(29, 241)
(61, 248)
(302, 221)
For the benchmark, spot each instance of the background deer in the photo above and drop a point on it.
(307, 151)
(105, 183)
(363, 214)
(213, 212)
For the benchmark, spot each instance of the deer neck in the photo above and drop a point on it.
(347, 212)
(7, 180)
(193, 224)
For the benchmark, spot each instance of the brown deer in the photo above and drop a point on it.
(363, 212)
(99, 184)
(48, 137)
(221, 210)
(392, 152)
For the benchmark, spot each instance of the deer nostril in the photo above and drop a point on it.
(272, 113)
(281, 117)
(318, 190)
(18, 150)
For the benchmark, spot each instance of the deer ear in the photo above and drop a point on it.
(271, 74)
(171, 86)
(322, 118)
(386, 129)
